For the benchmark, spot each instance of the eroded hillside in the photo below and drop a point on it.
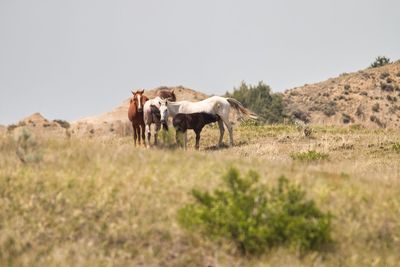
(368, 97)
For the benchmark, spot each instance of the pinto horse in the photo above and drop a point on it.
(216, 105)
(135, 115)
(151, 112)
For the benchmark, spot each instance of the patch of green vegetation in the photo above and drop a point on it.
(167, 137)
(27, 148)
(380, 61)
(309, 156)
(396, 147)
(260, 99)
(256, 217)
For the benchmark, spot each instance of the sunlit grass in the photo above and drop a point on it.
(88, 202)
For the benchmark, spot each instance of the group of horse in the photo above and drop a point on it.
(143, 112)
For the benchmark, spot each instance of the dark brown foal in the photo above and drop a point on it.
(196, 121)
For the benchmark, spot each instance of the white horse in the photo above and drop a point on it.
(214, 105)
(151, 115)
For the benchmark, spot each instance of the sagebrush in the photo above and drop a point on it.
(256, 217)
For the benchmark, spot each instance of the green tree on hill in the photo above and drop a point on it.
(380, 61)
(261, 100)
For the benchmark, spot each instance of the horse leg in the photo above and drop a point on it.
(221, 132)
(142, 127)
(185, 141)
(178, 136)
(134, 133)
(148, 133)
(138, 133)
(230, 130)
(158, 126)
(197, 139)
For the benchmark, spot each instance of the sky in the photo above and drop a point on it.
(75, 58)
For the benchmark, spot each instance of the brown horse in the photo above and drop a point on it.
(167, 94)
(135, 115)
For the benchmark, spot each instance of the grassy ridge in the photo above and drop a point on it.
(105, 203)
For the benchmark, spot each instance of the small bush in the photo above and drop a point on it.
(376, 107)
(309, 156)
(393, 109)
(260, 99)
(360, 111)
(387, 87)
(167, 137)
(256, 217)
(300, 115)
(346, 118)
(396, 147)
(384, 75)
(375, 119)
(380, 61)
(27, 148)
(330, 109)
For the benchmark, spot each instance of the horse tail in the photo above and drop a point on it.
(240, 108)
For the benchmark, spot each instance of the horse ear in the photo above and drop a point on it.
(141, 91)
(132, 92)
(172, 91)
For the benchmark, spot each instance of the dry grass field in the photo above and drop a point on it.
(103, 202)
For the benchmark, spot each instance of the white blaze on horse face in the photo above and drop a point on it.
(163, 110)
(140, 103)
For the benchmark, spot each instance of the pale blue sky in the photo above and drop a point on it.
(74, 58)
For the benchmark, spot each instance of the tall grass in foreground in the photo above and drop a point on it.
(103, 202)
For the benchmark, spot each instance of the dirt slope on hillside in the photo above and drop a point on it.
(369, 97)
(39, 125)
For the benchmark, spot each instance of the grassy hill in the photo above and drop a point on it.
(96, 202)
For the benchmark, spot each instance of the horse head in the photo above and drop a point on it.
(139, 99)
(167, 94)
(163, 111)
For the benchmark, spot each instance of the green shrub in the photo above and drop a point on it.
(256, 217)
(310, 155)
(384, 75)
(375, 119)
(330, 109)
(380, 61)
(167, 137)
(260, 99)
(27, 148)
(376, 107)
(396, 147)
